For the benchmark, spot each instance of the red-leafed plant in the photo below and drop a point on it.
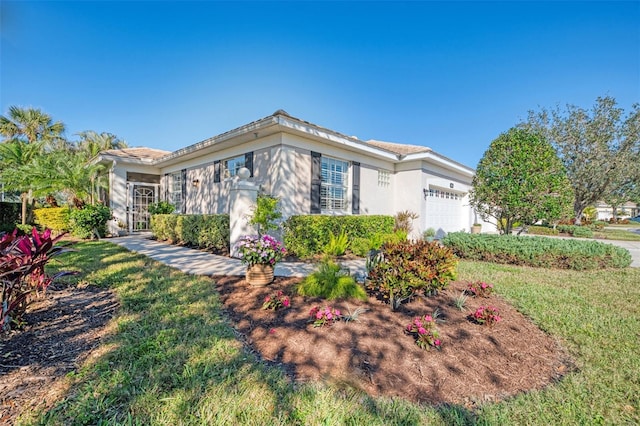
(22, 262)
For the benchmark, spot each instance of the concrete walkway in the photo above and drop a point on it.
(197, 262)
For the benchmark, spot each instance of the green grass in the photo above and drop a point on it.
(618, 234)
(173, 359)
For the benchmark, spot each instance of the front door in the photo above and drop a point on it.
(142, 195)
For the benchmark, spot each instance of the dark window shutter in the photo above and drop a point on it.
(248, 162)
(316, 181)
(167, 182)
(216, 171)
(184, 190)
(355, 194)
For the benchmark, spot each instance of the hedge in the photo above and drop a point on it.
(576, 231)
(206, 231)
(541, 230)
(306, 235)
(537, 251)
(54, 218)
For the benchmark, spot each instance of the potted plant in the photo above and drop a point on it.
(476, 228)
(260, 254)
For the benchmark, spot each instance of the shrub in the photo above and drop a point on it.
(582, 232)
(406, 267)
(485, 315)
(307, 235)
(10, 214)
(541, 230)
(360, 246)
(404, 221)
(576, 231)
(210, 232)
(330, 283)
(479, 289)
(266, 214)
(89, 221)
(22, 271)
(54, 218)
(424, 331)
(337, 245)
(214, 232)
(163, 227)
(275, 301)
(324, 316)
(162, 207)
(537, 251)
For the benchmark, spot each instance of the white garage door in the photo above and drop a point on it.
(444, 210)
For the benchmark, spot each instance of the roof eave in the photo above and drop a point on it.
(440, 160)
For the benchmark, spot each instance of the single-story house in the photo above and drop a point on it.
(311, 169)
(605, 212)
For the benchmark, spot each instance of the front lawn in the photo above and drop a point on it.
(172, 358)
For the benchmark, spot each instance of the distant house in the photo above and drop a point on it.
(311, 169)
(605, 211)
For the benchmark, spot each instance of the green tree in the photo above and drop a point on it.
(520, 179)
(594, 145)
(91, 143)
(265, 214)
(26, 132)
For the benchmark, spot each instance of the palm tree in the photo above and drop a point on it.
(91, 143)
(26, 131)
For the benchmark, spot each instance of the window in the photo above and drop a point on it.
(175, 190)
(435, 193)
(384, 178)
(231, 166)
(333, 190)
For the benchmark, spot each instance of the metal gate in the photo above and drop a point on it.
(142, 195)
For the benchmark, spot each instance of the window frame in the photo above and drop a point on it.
(334, 181)
(176, 197)
(240, 161)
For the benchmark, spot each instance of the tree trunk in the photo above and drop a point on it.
(24, 199)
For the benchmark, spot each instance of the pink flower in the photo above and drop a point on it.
(337, 312)
(272, 331)
(267, 299)
(422, 330)
(437, 342)
(318, 315)
(329, 316)
(428, 318)
(285, 302)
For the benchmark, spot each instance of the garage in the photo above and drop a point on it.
(444, 209)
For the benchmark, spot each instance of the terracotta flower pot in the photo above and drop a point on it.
(259, 274)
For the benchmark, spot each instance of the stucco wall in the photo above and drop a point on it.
(118, 186)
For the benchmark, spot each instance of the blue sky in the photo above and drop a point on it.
(448, 75)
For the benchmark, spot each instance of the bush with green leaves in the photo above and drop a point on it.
(337, 245)
(307, 235)
(330, 282)
(205, 231)
(89, 221)
(266, 214)
(537, 251)
(407, 267)
(54, 218)
(541, 230)
(576, 231)
(161, 207)
(163, 227)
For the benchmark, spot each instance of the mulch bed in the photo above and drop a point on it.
(476, 364)
(60, 331)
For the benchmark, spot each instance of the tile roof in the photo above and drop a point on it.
(398, 148)
(137, 153)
